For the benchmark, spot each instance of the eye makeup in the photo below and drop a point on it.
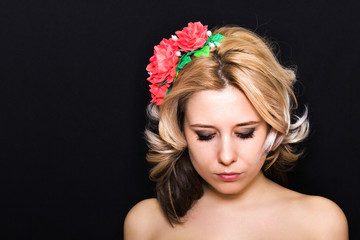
(207, 136)
(204, 136)
(249, 133)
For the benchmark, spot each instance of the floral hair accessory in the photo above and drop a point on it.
(171, 55)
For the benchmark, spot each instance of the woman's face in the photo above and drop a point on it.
(225, 137)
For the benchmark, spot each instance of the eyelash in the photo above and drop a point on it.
(208, 137)
(247, 135)
(205, 137)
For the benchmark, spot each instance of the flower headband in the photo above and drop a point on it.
(172, 54)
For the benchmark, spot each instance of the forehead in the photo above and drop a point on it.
(225, 105)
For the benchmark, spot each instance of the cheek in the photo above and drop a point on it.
(251, 154)
(196, 153)
(255, 151)
(200, 157)
(256, 148)
(258, 158)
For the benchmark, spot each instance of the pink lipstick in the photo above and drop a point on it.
(229, 177)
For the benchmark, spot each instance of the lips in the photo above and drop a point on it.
(229, 177)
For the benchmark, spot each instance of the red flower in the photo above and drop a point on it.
(158, 93)
(192, 37)
(163, 64)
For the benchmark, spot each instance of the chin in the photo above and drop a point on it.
(229, 189)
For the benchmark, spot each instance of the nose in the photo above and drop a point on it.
(227, 151)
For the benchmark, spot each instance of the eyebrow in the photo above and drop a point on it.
(237, 125)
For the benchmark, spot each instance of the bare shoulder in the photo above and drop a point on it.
(311, 217)
(144, 220)
(323, 217)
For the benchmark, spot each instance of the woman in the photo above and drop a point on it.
(221, 126)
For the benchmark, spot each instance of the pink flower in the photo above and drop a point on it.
(158, 93)
(192, 37)
(163, 64)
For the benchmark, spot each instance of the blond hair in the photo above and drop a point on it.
(245, 61)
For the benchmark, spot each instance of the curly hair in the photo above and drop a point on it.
(245, 61)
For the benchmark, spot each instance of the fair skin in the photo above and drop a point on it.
(225, 137)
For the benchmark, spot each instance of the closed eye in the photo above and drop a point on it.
(204, 137)
(246, 134)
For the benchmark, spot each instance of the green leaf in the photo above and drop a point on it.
(169, 89)
(217, 38)
(162, 83)
(202, 52)
(183, 60)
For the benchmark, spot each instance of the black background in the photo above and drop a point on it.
(73, 92)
